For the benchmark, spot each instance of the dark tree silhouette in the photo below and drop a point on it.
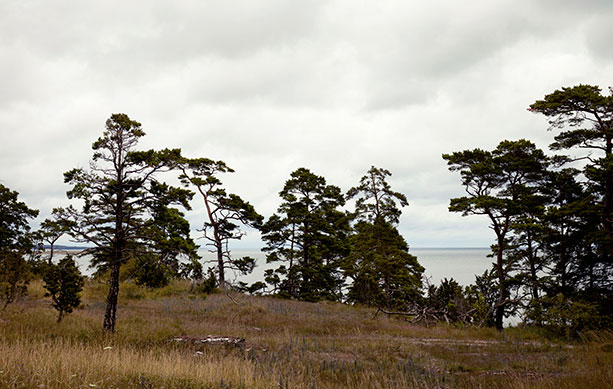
(122, 200)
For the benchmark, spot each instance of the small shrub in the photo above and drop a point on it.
(148, 271)
(208, 285)
(567, 316)
(64, 282)
(132, 291)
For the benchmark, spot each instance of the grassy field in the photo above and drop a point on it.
(287, 344)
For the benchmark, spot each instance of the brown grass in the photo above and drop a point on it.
(288, 344)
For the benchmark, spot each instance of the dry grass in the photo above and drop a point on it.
(288, 344)
(61, 363)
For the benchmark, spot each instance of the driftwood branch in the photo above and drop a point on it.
(427, 315)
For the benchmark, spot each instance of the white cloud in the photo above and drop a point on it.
(270, 86)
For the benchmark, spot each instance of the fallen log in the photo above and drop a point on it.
(210, 339)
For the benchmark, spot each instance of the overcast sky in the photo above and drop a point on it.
(269, 86)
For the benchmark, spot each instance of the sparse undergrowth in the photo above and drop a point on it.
(288, 344)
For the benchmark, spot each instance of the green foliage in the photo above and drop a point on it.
(499, 185)
(15, 276)
(16, 242)
(14, 227)
(256, 289)
(225, 212)
(376, 201)
(445, 294)
(244, 265)
(584, 117)
(482, 297)
(273, 277)
(572, 227)
(554, 224)
(449, 301)
(578, 106)
(567, 316)
(37, 264)
(191, 270)
(168, 229)
(579, 238)
(309, 235)
(208, 284)
(384, 274)
(126, 212)
(496, 181)
(52, 229)
(472, 305)
(64, 282)
(171, 243)
(147, 270)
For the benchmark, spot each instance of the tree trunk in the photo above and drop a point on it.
(291, 284)
(534, 280)
(50, 260)
(111, 299)
(305, 285)
(388, 293)
(607, 212)
(220, 267)
(532, 258)
(499, 312)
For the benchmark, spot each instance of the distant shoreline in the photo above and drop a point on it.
(449, 248)
(64, 251)
(71, 249)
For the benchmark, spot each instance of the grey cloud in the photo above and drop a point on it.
(269, 86)
(157, 29)
(598, 38)
(116, 45)
(421, 53)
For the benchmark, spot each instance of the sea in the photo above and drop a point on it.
(461, 264)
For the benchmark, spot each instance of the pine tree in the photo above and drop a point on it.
(121, 203)
(583, 115)
(497, 183)
(16, 241)
(383, 272)
(309, 235)
(225, 213)
(64, 282)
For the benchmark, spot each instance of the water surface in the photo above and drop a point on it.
(460, 263)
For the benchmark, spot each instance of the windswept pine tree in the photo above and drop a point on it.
(383, 272)
(308, 234)
(579, 243)
(583, 115)
(499, 185)
(126, 212)
(225, 213)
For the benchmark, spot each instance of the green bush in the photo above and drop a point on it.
(567, 316)
(63, 282)
(15, 276)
